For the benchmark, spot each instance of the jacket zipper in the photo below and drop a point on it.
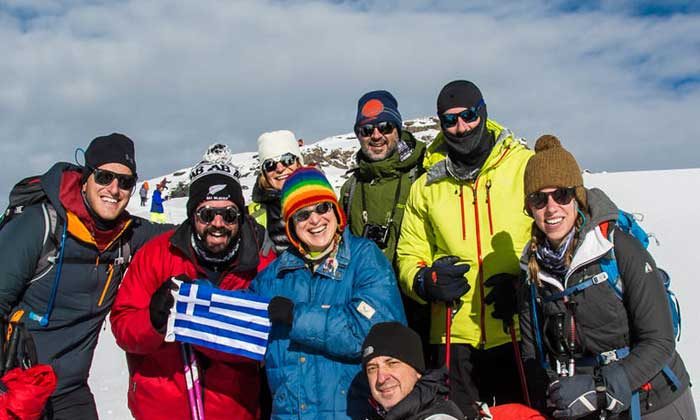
(480, 274)
(110, 272)
(488, 205)
(461, 207)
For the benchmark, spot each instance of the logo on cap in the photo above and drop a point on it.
(216, 188)
(367, 351)
(372, 108)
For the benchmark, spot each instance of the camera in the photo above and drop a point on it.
(379, 234)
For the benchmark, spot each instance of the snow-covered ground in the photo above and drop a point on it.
(666, 199)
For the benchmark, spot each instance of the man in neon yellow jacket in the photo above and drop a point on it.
(463, 230)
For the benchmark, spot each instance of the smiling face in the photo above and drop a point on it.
(378, 146)
(279, 174)
(390, 380)
(217, 234)
(107, 201)
(316, 232)
(554, 220)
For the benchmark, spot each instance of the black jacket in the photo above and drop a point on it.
(426, 399)
(640, 321)
(86, 290)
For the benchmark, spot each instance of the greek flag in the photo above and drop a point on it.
(226, 320)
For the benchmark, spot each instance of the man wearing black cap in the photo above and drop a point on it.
(388, 162)
(402, 389)
(463, 230)
(82, 237)
(219, 244)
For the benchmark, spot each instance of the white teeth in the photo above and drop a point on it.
(109, 200)
(318, 230)
(554, 221)
(282, 177)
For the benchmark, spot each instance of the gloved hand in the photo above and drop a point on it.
(576, 396)
(502, 295)
(280, 310)
(444, 281)
(161, 302)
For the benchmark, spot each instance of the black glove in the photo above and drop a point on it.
(502, 295)
(280, 310)
(444, 281)
(577, 396)
(161, 302)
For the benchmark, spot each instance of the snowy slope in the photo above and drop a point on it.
(660, 196)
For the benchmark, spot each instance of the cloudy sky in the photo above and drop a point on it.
(617, 81)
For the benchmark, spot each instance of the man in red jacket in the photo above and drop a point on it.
(218, 243)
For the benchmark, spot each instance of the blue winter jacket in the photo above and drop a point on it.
(314, 366)
(156, 202)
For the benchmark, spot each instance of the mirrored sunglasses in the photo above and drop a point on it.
(562, 196)
(286, 160)
(104, 177)
(384, 127)
(321, 208)
(207, 214)
(468, 115)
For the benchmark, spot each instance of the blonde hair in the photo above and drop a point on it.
(538, 237)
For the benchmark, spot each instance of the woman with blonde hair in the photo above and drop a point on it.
(594, 346)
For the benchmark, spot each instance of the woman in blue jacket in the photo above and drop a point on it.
(327, 291)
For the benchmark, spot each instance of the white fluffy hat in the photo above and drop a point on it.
(277, 143)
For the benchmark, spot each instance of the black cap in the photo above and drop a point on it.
(214, 181)
(114, 148)
(395, 340)
(459, 94)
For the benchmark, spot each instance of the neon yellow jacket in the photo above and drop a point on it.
(442, 217)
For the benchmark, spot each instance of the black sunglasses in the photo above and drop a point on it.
(207, 214)
(321, 208)
(468, 115)
(384, 127)
(286, 160)
(561, 196)
(104, 177)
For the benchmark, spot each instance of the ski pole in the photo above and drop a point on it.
(189, 382)
(519, 362)
(196, 382)
(448, 335)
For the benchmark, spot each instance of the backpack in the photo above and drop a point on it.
(27, 192)
(628, 224)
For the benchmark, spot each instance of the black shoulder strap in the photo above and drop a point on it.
(50, 242)
(347, 200)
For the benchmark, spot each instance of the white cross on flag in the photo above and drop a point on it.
(226, 320)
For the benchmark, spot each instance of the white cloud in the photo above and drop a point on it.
(176, 75)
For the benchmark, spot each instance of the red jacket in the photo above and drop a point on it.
(157, 387)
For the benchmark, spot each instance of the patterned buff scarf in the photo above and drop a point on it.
(552, 260)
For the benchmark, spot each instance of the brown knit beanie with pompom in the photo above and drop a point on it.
(553, 166)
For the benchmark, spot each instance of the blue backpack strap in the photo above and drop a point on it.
(43, 320)
(597, 279)
(536, 326)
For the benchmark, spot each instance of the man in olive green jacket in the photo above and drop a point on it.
(373, 197)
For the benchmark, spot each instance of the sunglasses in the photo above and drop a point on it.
(207, 214)
(321, 208)
(104, 177)
(286, 160)
(384, 127)
(561, 196)
(468, 115)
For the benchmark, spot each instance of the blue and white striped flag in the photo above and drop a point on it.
(226, 320)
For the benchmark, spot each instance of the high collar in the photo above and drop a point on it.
(291, 260)
(392, 166)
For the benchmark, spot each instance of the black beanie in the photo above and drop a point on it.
(214, 181)
(460, 94)
(395, 340)
(114, 148)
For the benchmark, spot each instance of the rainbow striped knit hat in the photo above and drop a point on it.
(304, 187)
